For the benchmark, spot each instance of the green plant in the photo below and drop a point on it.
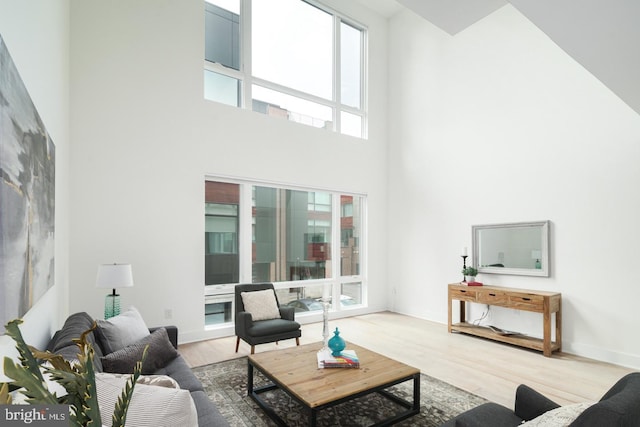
(470, 271)
(78, 379)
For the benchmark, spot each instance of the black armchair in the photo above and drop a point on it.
(263, 331)
(619, 407)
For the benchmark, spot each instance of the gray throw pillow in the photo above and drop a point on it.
(160, 353)
(121, 330)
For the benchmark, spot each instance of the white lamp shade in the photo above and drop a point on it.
(114, 276)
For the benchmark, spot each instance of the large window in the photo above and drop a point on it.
(292, 238)
(221, 233)
(291, 59)
(290, 243)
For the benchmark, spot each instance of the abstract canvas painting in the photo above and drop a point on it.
(27, 197)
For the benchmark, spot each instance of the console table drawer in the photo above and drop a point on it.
(527, 302)
(493, 298)
(463, 294)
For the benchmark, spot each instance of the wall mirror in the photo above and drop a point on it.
(520, 248)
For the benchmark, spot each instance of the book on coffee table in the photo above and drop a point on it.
(346, 359)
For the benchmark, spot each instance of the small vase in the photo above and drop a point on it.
(470, 279)
(336, 343)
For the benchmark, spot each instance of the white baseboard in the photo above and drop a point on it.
(602, 354)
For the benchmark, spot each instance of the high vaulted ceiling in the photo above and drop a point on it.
(453, 16)
(602, 35)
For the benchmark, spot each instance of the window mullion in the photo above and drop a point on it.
(221, 69)
(337, 83)
(294, 92)
(336, 237)
(245, 29)
(352, 110)
(364, 83)
(245, 235)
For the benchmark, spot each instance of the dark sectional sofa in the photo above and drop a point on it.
(619, 407)
(62, 343)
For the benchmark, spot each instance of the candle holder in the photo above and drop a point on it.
(325, 323)
(464, 265)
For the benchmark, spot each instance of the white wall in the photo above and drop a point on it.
(497, 124)
(144, 139)
(36, 33)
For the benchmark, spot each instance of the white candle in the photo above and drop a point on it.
(464, 251)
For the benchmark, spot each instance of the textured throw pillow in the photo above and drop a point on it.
(121, 330)
(155, 380)
(261, 304)
(160, 352)
(559, 417)
(158, 380)
(150, 405)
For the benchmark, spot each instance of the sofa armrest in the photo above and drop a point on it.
(287, 313)
(172, 331)
(244, 321)
(531, 404)
(487, 414)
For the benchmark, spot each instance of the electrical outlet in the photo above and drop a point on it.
(168, 313)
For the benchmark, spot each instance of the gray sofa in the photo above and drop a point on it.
(62, 343)
(619, 407)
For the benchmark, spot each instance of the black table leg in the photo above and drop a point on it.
(313, 418)
(249, 379)
(416, 393)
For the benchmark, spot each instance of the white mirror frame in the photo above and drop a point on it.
(544, 271)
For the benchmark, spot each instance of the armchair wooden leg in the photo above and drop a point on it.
(297, 341)
(237, 343)
(253, 349)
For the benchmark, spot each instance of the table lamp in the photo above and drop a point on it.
(113, 276)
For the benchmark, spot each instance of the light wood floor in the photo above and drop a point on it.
(486, 368)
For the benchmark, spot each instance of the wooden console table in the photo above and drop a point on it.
(546, 303)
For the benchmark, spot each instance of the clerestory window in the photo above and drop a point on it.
(290, 59)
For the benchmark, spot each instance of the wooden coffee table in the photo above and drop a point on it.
(295, 371)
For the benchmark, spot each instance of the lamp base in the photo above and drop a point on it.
(111, 306)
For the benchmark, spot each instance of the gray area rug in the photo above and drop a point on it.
(226, 385)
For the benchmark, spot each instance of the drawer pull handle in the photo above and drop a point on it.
(526, 299)
(462, 291)
(493, 295)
